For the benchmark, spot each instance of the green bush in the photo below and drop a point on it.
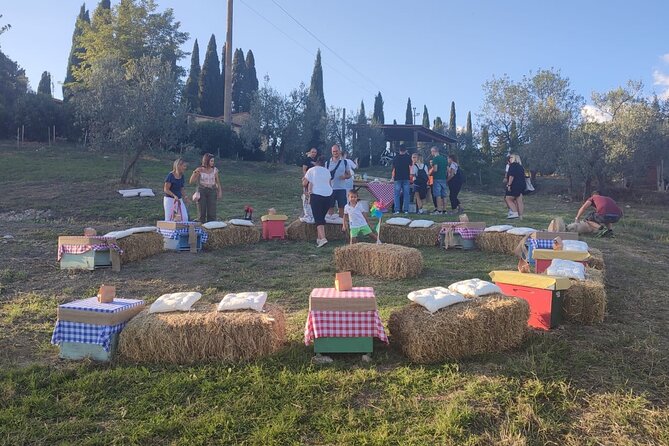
(216, 138)
(38, 113)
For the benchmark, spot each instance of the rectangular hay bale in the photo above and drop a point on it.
(231, 235)
(585, 301)
(140, 246)
(404, 235)
(499, 242)
(299, 230)
(384, 260)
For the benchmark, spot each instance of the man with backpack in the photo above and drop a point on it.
(419, 178)
(400, 175)
(339, 173)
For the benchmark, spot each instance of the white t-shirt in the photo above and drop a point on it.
(454, 168)
(319, 177)
(356, 218)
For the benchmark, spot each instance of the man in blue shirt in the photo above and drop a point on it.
(339, 172)
(401, 173)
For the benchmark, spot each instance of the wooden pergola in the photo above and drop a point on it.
(407, 133)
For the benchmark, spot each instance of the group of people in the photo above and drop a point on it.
(208, 183)
(443, 177)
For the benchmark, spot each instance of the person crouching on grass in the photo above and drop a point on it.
(357, 219)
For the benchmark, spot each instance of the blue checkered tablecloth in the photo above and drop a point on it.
(540, 243)
(174, 234)
(85, 333)
(92, 304)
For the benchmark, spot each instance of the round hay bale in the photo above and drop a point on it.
(301, 231)
(231, 235)
(140, 246)
(596, 259)
(404, 235)
(488, 324)
(585, 301)
(202, 335)
(499, 242)
(385, 261)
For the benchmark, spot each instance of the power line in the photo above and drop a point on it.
(326, 46)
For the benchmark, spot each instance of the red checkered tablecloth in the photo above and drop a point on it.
(383, 192)
(465, 233)
(80, 249)
(343, 324)
(353, 293)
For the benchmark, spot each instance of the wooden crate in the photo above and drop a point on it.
(79, 350)
(88, 260)
(344, 345)
(181, 244)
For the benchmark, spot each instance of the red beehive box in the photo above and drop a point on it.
(273, 226)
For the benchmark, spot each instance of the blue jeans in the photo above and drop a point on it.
(401, 186)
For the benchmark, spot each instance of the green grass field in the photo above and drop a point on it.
(576, 385)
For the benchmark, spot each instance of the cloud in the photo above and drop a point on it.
(662, 80)
(665, 58)
(590, 113)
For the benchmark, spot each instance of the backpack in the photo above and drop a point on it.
(421, 177)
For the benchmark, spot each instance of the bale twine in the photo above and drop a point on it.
(404, 235)
(596, 259)
(202, 335)
(231, 235)
(499, 242)
(299, 230)
(384, 261)
(585, 301)
(481, 325)
(140, 246)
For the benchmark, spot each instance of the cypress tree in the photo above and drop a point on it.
(452, 130)
(105, 4)
(486, 150)
(210, 98)
(362, 116)
(377, 116)
(394, 121)
(469, 136)
(74, 60)
(514, 142)
(223, 50)
(438, 125)
(238, 82)
(44, 86)
(426, 117)
(314, 112)
(191, 91)
(251, 79)
(409, 113)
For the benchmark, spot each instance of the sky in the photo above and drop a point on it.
(431, 51)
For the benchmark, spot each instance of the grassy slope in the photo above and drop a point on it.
(576, 385)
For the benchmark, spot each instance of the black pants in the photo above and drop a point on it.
(453, 191)
(319, 207)
(207, 204)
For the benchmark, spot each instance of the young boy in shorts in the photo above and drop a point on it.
(356, 218)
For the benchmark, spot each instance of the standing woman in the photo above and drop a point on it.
(209, 187)
(175, 198)
(318, 181)
(515, 187)
(454, 180)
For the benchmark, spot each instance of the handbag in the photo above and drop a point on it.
(196, 196)
(176, 214)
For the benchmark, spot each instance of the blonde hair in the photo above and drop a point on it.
(176, 164)
(515, 158)
(418, 156)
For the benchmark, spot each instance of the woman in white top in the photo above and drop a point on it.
(208, 188)
(318, 180)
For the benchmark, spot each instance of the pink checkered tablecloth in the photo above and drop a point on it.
(383, 192)
(80, 249)
(465, 233)
(343, 324)
(354, 293)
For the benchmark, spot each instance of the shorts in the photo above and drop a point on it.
(364, 230)
(339, 197)
(603, 219)
(319, 207)
(439, 188)
(421, 190)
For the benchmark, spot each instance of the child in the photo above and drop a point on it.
(419, 176)
(357, 219)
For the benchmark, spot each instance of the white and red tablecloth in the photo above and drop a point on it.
(353, 293)
(80, 249)
(464, 232)
(383, 192)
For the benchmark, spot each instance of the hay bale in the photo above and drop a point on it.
(385, 261)
(481, 325)
(596, 259)
(231, 235)
(299, 230)
(499, 242)
(202, 335)
(585, 301)
(140, 246)
(404, 235)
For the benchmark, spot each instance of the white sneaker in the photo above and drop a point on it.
(321, 242)
(378, 242)
(513, 215)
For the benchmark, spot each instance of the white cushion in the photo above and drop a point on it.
(436, 298)
(174, 302)
(399, 221)
(566, 268)
(240, 222)
(521, 231)
(142, 229)
(215, 224)
(147, 193)
(243, 301)
(118, 234)
(474, 288)
(574, 245)
(421, 224)
(498, 228)
(143, 192)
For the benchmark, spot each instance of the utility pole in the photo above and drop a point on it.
(343, 131)
(227, 100)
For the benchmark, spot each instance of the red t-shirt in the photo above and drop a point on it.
(605, 205)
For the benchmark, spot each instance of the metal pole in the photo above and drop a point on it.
(227, 100)
(343, 131)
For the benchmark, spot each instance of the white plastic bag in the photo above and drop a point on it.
(566, 268)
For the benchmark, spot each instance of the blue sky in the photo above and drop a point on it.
(432, 51)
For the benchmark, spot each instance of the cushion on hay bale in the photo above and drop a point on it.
(140, 246)
(499, 242)
(407, 236)
(243, 301)
(498, 228)
(421, 223)
(240, 222)
(203, 334)
(521, 231)
(385, 261)
(596, 259)
(480, 325)
(214, 225)
(434, 299)
(231, 235)
(299, 230)
(574, 245)
(399, 221)
(585, 300)
(175, 302)
(474, 288)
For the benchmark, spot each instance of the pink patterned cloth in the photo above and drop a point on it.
(354, 293)
(383, 192)
(343, 324)
(464, 232)
(80, 249)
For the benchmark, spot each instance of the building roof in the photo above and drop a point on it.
(407, 132)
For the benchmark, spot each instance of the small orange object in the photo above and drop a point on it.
(557, 244)
(106, 294)
(343, 281)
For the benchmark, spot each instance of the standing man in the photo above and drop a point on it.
(309, 160)
(438, 173)
(400, 175)
(605, 214)
(339, 173)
